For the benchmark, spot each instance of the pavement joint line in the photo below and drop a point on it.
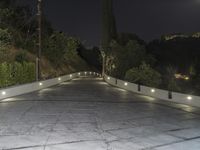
(181, 141)
(63, 143)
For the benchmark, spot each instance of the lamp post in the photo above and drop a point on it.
(103, 62)
(38, 59)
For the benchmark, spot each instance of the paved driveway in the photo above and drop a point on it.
(88, 114)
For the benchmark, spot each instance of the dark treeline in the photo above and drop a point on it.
(171, 62)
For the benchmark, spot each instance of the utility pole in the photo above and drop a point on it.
(38, 59)
(103, 62)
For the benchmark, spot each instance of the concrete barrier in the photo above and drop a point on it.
(186, 99)
(35, 86)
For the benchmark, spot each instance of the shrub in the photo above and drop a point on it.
(5, 75)
(16, 73)
(21, 57)
(172, 84)
(123, 57)
(5, 37)
(144, 75)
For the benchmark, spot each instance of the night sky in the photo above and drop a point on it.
(147, 18)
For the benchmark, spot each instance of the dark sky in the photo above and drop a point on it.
(147, 18)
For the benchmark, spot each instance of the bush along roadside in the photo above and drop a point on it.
(16, 73)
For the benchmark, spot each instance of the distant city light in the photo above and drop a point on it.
(187, 78)
(181, 76)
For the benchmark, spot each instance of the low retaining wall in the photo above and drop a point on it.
(153, 92)
(35, 86)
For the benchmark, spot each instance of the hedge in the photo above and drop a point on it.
(16, 73)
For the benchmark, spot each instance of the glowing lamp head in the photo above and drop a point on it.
(108, 78)
(79, 73)
(125, 83)
(153, 90)
(189, 97)
(40, 83)
(70, 75)
(59, 79)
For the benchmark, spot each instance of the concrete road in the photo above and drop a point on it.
(88, 114)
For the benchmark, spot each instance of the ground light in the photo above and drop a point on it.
(108, 78)
(3, 93)
(189, 97)
(152, 90)
(125, 83)
(70, 76)
(59, 79)
(79, 73)
(40, 83)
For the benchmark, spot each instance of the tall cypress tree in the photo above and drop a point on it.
(109, 30)
(6, 3)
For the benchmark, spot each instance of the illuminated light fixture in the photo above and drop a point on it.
(90, 72)
(79, 73)
(108, 78)
(40, 83)
(189, 97)
(153, 90)
(85, 72)
(3, 93)
(70, 75)
(187, 78)
(59, 79)
(125, 83)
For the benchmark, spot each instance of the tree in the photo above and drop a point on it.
(109, 26)
(121, 58)
(54, 48)
(6, 3)
(144, 75)
(170, 79)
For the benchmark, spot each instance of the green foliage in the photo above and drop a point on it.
(55, 48)
(144, 75)
(5, 75)
(21, 57)
(91, 56)
(121, 58)
(5, 37)
(4, 54)
(170, 79)
(59, 48)
(16, 73)
(72, 45)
